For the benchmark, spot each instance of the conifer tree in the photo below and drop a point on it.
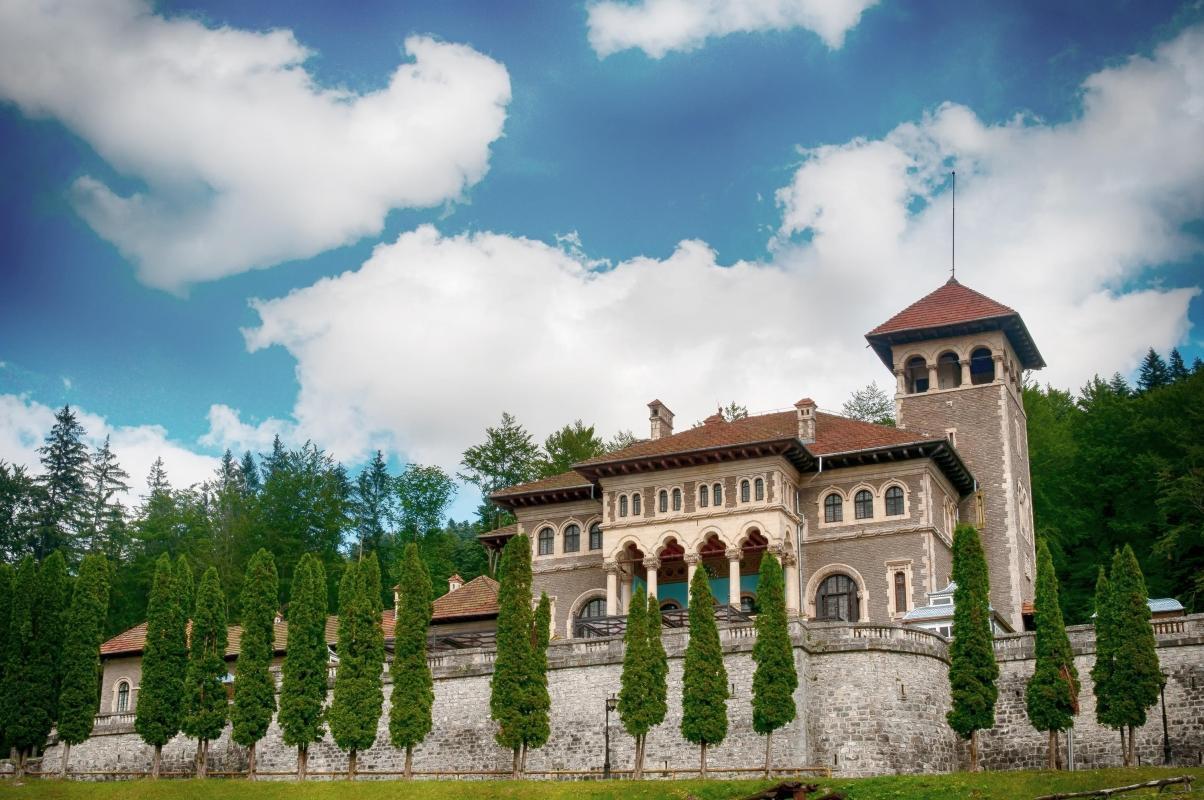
(64, 466)
(160, 695)
(510, 700)
(972, 667)
(1104, 669)
(250, 474)
(24, 717)
(205, 702)
(6, 612)
(704, 679)
(539, 726)
(186, 586)
(358, 696)
(413, 689)
(303, 687)
(775, 678)
(1136, 677)
(79, 697)
(1051, 696)
(1177, 369)
(635, 683)
(658, 705)
(49, 625)
(254, 686)
(104, 522)
(1153, 373)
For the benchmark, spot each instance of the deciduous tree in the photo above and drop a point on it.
(870, 404)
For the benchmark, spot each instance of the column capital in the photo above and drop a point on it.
(610, 567)
(693, 559)
(652, 562)
(733, 553)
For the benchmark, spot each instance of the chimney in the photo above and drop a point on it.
(806, 420)
(454, 582)
(661, 418)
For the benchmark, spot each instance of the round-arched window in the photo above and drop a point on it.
(703, 493)
(662, 501)
(623, 506)
(948, 371)
(982, 366)
(572, 539)
(635, 505)
(546, 542)
(748, 603)
(759, 488)
(123, 697)
(745, 491)
(670, 605)
(836, 600)
(593, 609)
(595, 537)
(834, 508)
(894, 501)
(863, 505)
(677, 499)
(717, 493)
(916, 374)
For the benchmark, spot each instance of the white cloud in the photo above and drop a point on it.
(426, 343)
(24, 424)
(246, 162)
(661, 26)
(227, 431)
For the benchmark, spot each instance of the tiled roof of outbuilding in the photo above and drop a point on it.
(477, 598)
(133, 640)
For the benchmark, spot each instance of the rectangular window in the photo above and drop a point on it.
(980, 509)
(900, 592)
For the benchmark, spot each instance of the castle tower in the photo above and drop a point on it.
(958, 357)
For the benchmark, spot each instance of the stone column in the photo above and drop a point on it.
(790, 572)
(625, 588)
(965, 364)
(691, 560)
(652, 564)
(934, 382)
(612, 588)
(997, 361)
(733, 576)
(901, 381)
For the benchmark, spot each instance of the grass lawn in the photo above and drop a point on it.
(983, 786)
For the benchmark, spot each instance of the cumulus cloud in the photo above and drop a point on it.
(659, 27)
(427, 342)
(243, 159)
(24, 424)
(228, 431)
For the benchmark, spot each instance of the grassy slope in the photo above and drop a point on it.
(984, 786)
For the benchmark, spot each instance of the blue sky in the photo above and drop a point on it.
(805, 169)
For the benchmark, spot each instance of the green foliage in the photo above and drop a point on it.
(50, 629)
(870, 404)
(972, 667)
(64, 480)
(413, 689)
(79, 696)
(26, 719)
(373, 506)
(658, 699)
(1136, 678)
(356, 706)
(635, 683)
(775, 678)
(205, 701)
(538, 727)
(1106, 641)
(254, 686)
(570, 445)
(1051, 693)
(423, 494)
(185, 586)
(513, 695)
(164, 660)
(507, 457)
(21, 500)
(104, 527)
(303, 687)
(6, 613)
(704, 679)
(1154, 373)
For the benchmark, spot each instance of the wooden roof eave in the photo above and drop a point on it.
(1011, 324)
(792, 449)
(939, 450)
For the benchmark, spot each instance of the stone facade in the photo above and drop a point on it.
(872, 700)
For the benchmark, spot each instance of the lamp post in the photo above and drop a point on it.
(611, 703)
(1166, 737)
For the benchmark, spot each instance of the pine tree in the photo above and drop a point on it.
(510, 700)
(104, 524)
(303, 687)
(24, 717)
(635, 683)
(775, 678)
(50, 628)
(1136, 677)
(6, 612)
(160, 694)
(251, 480)
(254, 686)
(972, 667)
(704, 678)
(1052, 693)
(374, 508)
(65, 470)
(79, 698)
(413, 688)
(358, 697)
(1153, 373)
(1177, 370)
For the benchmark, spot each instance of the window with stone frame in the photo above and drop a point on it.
(662, 501)
(894, 501)
(759, 489)
(863, 504)
(901, 604)
(635, 504)
(595, 537)
(546, 542)
(836, 599)
(677, 499)
(623, 506)
(572, 539)
(717, 494)
(703, 494)
(123, 697)
(833, 508)
(745, 491)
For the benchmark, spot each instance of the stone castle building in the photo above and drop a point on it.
(861, 515)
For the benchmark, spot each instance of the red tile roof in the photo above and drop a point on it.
(950, 304)
(133, 640)
(565, 480)
(477, 598)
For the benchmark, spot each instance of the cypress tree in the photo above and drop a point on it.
(1104, 669)
(704, 690)
(79, 697)
(413, 689)
(658, 705)
(6, 612)
(635, 683)
(510, 682)
(254, 687)
(49, 621)
(539, 727)
(972, 667)
(206, 705)
(24, 717)
(775, 678)
(358, 696)
(160, 695)
(1135, 667)
(303, 687)
(1051, 696)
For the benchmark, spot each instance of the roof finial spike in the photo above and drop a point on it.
(953, 232)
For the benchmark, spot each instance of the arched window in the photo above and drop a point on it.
(623, 506)
(123, 697)
(834, 508)
(591, 610)
(717, 493)
(982, 366)
(635, 504)
(836, 599)
(745, 491)
(595, 537)
(572, 539)
(863, 505)
(894, 501)
(670, 605)
(948, 371)
(748, 603)
(662, 501)
(759, 488)
(900, 592)
(546, 539)
(916, 374)
(703, 493)
(677, 499)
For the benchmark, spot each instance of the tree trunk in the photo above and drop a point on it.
(702, 766)
(156, 762)
(409, 762)
(66, 758)
(302, 762)
(1124, 753)
(351, 764)
(202, 752)
(514, 768)
(522, 762)
(1132, 747)
(974, 751)
(19, 765)
(1051, 757)
(768, 738)
(251, 762)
